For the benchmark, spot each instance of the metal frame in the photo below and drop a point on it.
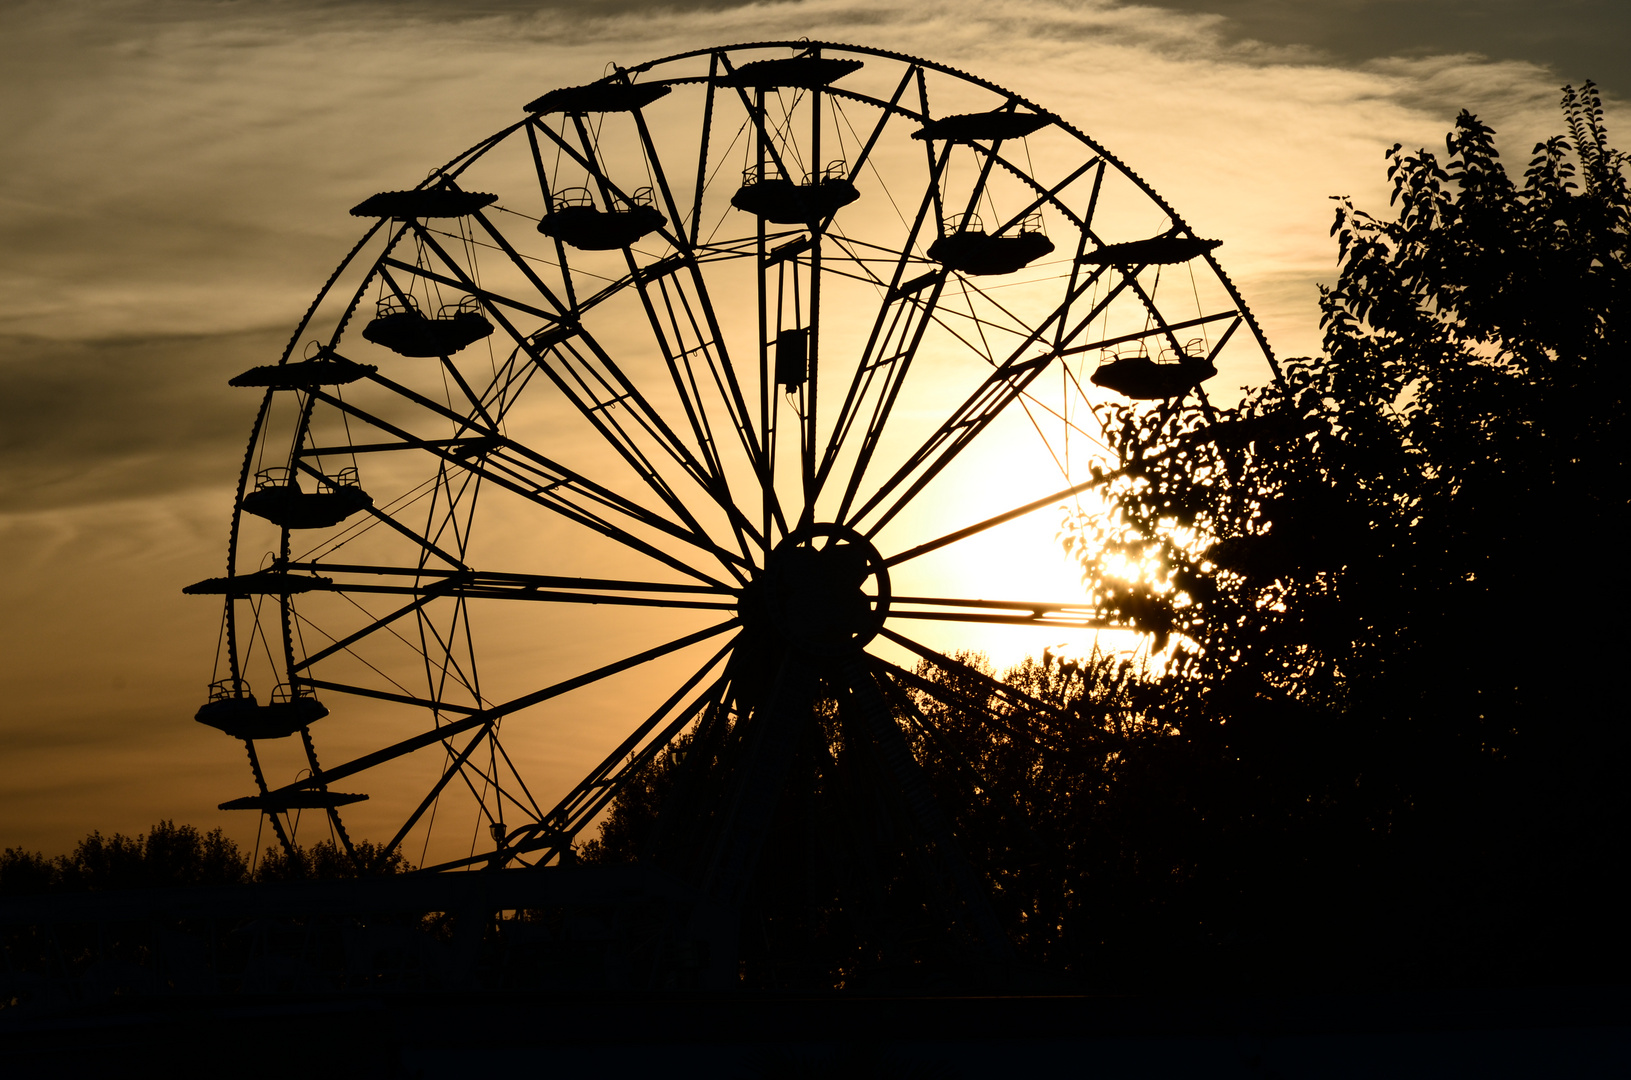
(699, 487)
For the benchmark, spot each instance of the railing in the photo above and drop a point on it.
(470, 305)
(574, 197)
(1164, 354)
(279, 476)
(835, 170)
(231, 690)
(395, 305)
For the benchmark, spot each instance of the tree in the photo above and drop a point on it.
(1393, 577)
(169, 855)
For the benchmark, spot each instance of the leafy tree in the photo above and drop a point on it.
(170, 855)
(1393, 578)
(327, 860)
(167, 854)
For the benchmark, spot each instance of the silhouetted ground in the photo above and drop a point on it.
(1560, 1032)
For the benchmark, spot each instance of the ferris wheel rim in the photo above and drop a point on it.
(456, 167)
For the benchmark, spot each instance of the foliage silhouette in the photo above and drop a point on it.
(170, 855)
(1392, 580)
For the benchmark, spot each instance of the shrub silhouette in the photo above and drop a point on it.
(170, 855)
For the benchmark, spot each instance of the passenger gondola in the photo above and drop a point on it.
(279, 498)
(577, 222)
(598, 97)
(426, 203)
(777, 199)
(969, 249)
(400, 326)
(1138, 376)
(982, 127)
(797, 72)
(1164, 250)
(232, 708)
(304, 374)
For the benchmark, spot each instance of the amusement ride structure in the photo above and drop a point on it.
(649, 432)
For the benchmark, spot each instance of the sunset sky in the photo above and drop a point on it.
(177, 181)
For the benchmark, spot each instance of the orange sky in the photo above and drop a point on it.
(177, 185)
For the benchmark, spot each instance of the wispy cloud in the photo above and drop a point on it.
(1576, 39)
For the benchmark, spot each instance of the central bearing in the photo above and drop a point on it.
(824, 590)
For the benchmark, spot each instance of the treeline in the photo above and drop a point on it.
(170, 855)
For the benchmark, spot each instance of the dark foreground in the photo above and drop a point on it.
(1540, 1033)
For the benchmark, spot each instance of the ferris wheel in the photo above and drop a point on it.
(658, 426)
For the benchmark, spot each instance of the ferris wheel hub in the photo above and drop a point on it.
(824, 591)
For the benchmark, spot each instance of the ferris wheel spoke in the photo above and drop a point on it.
(470, 395)
(1066, 616)
(1021, 720)
(485, 716)
(497, 578)
(898, 684)
(999, 389)
(384, 518)
(455, 767)
(385, 695)
(886, 111)
(492, 300)
(549, 208)
(1010, 694)
(379, 623)
(510, 589)
(897, 331)
(542, 482)
(863, 680)
(596, 393)
(686, 328)
(581, 805)
(999, 519)
(808, 448)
